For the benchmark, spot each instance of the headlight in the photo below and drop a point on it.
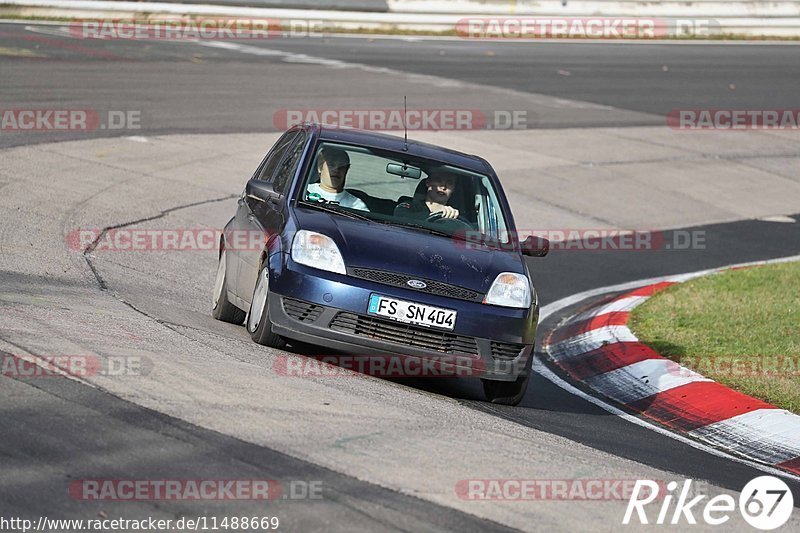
(509, 290)
(317, 250)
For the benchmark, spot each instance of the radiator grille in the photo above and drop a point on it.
(404, 334)
(400, 280)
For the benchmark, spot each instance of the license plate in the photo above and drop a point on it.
(411, 312)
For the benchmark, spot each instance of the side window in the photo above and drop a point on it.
(275, 156)
(290, 163)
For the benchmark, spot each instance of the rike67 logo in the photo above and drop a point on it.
(765, 503)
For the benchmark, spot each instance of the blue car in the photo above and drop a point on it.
(366, 243)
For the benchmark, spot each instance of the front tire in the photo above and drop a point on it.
(505, 392)
(221, 308)
(258, 323)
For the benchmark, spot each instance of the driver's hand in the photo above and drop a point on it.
(449, 212)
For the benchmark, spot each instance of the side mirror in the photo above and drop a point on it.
(261, 191)
(535, 246)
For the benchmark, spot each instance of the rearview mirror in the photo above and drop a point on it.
(535, 246)
(404, 171)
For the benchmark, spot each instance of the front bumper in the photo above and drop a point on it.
(329, 309)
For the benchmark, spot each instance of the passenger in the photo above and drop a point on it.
(439, 188)
(332, 165)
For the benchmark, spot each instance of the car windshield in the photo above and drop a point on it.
(397, 189)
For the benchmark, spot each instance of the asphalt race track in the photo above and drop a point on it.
(388, 455)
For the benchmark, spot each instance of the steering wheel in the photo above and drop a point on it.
(439, 217)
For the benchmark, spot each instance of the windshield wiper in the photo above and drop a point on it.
(327, 208)
(416, 226)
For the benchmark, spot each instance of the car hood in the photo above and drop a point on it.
(416, 253)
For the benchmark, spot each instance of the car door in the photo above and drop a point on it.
(268, 217)
(240, 240)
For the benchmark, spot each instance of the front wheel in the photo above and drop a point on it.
(258, 323)
(221, 308)
(505, 392)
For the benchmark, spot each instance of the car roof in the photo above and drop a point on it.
(394, 143)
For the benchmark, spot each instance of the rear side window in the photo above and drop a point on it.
(288, 166)
(275, 156)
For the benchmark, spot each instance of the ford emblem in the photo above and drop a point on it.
(416, 284)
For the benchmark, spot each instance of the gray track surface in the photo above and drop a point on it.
(186, 87)
(57, 431)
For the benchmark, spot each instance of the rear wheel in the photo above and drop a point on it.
(258, 323)
(505, 392)
(221, 308)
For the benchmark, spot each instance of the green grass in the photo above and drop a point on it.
(738, 327)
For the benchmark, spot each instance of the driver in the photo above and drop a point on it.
(439, 189)
(332, 165)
